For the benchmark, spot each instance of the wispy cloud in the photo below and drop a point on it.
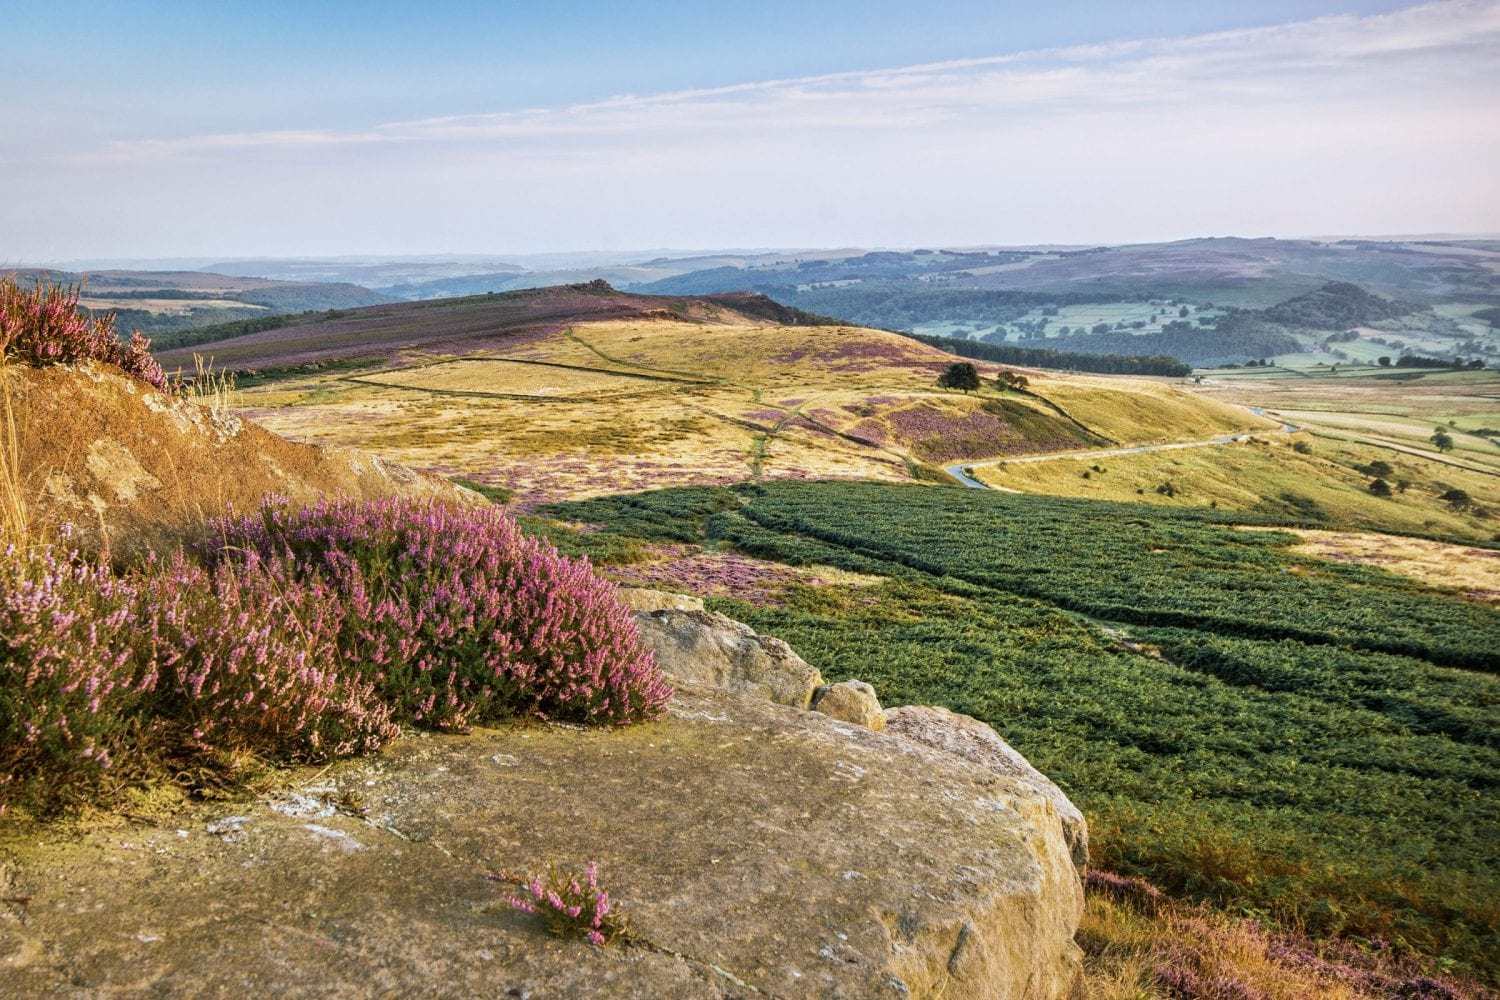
(1387, 123)
(1446, 51)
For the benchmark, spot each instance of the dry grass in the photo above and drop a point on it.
(1272, 477)
(1475, 572)
(776, 402)
(210, 387)
(15, 520)
(1153, 947)
(1141, 411)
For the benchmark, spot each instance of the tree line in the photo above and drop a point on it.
(1042, 357)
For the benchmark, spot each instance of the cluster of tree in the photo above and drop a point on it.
(1234, 336)
(959, 375)
(1042, 357)
(1420, 361)
(1337, 305)
(898, 305)
(223, 331)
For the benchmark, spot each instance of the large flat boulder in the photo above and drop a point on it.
(758, 851)
(704, 647)
(967, 737)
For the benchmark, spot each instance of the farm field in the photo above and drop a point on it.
(1242, 720)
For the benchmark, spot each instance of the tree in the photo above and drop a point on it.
(1183, 312)
(959, 375)
(1457, 499)
(1380, 487)
(1384, 360)
(1010, 380)
(1442, 439)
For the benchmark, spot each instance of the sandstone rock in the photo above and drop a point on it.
(645, 599)
(701, 647)
(971, 739)
(756, 850)
(851, 701)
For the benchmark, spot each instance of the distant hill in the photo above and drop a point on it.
(1246, 272)
(480, 322)
(163, 302)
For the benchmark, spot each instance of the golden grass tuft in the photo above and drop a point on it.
(15, 520)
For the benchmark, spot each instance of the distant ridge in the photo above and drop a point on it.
(475, 322)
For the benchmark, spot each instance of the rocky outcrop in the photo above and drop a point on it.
(131, 468)
(646, 599)
(703, 647)
(966, 737)
(757, 851)
(851, 701)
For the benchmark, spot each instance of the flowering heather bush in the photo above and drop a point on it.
(250, 662)
(44, 326)
(72, 678)
(456, 616)
(571, 906)
(172, 661)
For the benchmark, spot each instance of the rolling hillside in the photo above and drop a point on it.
(580, 390)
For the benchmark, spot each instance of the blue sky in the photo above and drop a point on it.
(136, 129)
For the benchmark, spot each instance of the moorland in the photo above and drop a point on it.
(1169, 596)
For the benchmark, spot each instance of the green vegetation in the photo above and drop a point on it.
(959, 375)
(1283, 736)
(1041, 357)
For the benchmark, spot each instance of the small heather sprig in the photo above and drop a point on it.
(570, 905)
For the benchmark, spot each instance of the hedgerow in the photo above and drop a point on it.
(43, 325)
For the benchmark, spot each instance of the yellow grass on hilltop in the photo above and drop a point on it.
(657, 402)
(1267, 475)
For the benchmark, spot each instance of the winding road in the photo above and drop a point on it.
(957, 470)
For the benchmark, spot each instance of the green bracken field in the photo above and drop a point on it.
(1310, 742)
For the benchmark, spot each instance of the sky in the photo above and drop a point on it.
(132, 129)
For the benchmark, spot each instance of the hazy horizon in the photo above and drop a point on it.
(265, 132)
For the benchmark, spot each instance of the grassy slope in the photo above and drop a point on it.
(1269, 477)
(1152, 411)
(769, 401)
(1296, 748)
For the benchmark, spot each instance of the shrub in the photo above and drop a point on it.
(72, 674)
(1457, 499)
(252, 663)
(168, 663)
(959, 375)
(44, 326)
(1380, 488)
(571, 906)
(458, 617)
